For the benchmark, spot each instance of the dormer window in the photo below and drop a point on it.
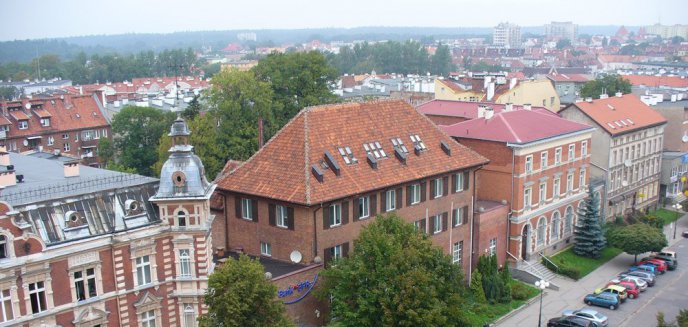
(181, 218)
(375, 149)
(399, 144)
(418, 143)
(23, 124)
(45, 122)
(347, 155)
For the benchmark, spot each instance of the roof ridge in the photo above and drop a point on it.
(508, 126)
(306, 150)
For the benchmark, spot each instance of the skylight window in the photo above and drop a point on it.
(623, 123)
(347, 155)
(618, 124)
(375, 148)
(611, 125)
(417, 142)
(630, 121)
(399, 144)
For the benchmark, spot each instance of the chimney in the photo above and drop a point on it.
(4, 158)
(588, 99)
(81, 90)
(71, 169)
(508, 106)
(489, 112)
(513, 83)
(481, 110)
(490, 91)
(618, 94)
(604, 96)
(527, 106)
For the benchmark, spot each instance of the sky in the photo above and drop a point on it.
(31, 19)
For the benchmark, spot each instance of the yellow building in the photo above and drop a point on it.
(241, 65)
(448, 90)
(536, 92)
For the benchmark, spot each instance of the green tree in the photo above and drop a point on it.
(609, 84)
(441, 62)
(485, 67)
(9, 92)
(395, 276)
(239, 295)
(563, 43)
(637, 239)
(193, 109)
(589, 237)
(137, 131)
(477, 287)
(106, 150)
(494, 284)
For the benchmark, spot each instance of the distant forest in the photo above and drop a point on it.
(24, 51)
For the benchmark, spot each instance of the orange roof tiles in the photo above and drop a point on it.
(19, 115)
(670, 81)
(4, 121)
(282, 168)
(618, 115)
(42, 113)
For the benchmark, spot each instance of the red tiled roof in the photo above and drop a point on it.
(465, 109)
(282, 169)
(4, 121)
(618, 115)
(41, 113)
(452, 86)
(568, 78)
(348, 81)
(670, 81)
(520, 126)
(19, 115)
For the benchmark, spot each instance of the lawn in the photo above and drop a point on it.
(571, 261)
(667, 216)
(482, 313)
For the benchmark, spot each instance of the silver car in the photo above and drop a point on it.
(588, 314)
(646, 276)
(639, 282)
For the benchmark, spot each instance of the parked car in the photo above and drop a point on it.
(661, 266)
(645, 268)
(639, 282)
(588, 314)
(614, 289)
(666, 253)
(646, 276)
(685, 233)
(671, 262)
(607, 300)
(571, 321)
(632, 290)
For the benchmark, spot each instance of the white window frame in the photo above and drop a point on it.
(23, 124)
(493, 246)
(458, 214)
(459, 182)
(572, 152)
(363, 206)
(457, 250)
(415, 194)
(529, 164)
(336, 252)
(143, 266)
(542, 193)
(557, 156)
(6, 305)
(45, 122)
(4, 247)
(84, 280)
(555, 226)
(581, 179)
(66, 147)
(335, 214)
(247, 209)
(39, 292)
(439, 188)
(281, 216)
(569, 183)
(265, 249)
(437, 224)
(51, 140)
(584, 149)
(542, 231)
(390, 200)
(543, 160)
(527, 198)
(189, 315)
(147, 319)
(185, 266)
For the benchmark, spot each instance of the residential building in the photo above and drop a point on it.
(627, 155)
(69, 125)
(304, 197)
(568, 86)
(506, 35)
(561, 30)
(539, 165)
(673, 182)
(668, 31)
(445, 112)
(82, 246)
(534, 92)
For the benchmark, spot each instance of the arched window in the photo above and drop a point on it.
(181, 218)
(556, 220)
(184, 263)
(541, 231)
(189, 316)
(568, 220)
(3, 247)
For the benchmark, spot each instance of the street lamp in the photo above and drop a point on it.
(678, 208)
(541, 284)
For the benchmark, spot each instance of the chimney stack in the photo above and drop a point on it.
(527, 106)
(588, 99)
(481, 110)
(619, 94)
(604, 96)
(489, 112)
(508, 106)
(71, 169)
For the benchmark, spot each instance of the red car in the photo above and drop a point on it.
(632, 290)
(661, 265)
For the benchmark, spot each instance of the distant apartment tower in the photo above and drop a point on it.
(561, 30)
(247, 36)
(507, 35)
(667, 32)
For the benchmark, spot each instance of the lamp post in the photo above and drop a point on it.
(678, 208)
(541, 284)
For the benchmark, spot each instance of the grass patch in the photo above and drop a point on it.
(569, 261)
(667, 216)
(482, 313)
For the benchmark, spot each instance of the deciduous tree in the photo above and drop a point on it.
(637, 239)
(609, 84)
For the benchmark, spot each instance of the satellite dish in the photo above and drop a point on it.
(628, 163)
(28, 105)
(26, 143)
(295, 256)
(624, 183)
(684, 139)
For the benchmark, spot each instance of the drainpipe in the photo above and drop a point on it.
(473, 199)
(315, 232)
(509, 215)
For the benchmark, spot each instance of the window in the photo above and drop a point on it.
(143, 270)
(415, 193)
(527, 199)
(37, 296)
(493, 246)
(460, 181)
(439, 188)
(181, 218)
(557, 156)
(457, 252)
(104, 132)
(363, 207)
(335, 215)
(541, 231)
(23, 124)
(97, 136)
(7, 313)
(184, 263)
(390, 200)
(542, 195)
(66, 147)
(85, 284)
(3, 247)
(543, 160)
(420, 225)
(569, 183)
(436, 224)
(189, 316)
(51, 140)
(281, 214)
(529, 164)
(554, 232)
(45, 122)
(265, 249)
(65, 136)
(458, 216)
(584, 148)
(572, 152)
(581, 179)
(336, 252)
(247, 209)
(568, 221)
(148, 319)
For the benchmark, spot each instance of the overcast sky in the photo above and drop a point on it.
(30, 19)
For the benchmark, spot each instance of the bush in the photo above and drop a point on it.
(571, 272)
(519, 292)
(477, 287)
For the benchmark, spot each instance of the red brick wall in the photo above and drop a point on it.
(304, 310)
(445, 120)
(61, 283)
(489, 225)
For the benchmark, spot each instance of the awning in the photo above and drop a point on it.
(34, 137)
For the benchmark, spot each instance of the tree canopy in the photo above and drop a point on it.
(239, 295)
(637, 239)
(609, 84)
(395, 276)
(589, 237)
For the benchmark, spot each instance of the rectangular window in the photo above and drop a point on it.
(457, 252)
(265, 249)
(584, 148)
(493, 246)
(335, 215)
(7, 313)
(572, 152)
(543, 160)
(336, 252)
(247, 209)
(363, 207)
(437, 224)
(282, 215)
(143, 270)
(148, 319)
(557, 156)
(45, 122)
(184, 263)
(23, 124)
(529, 164)
(37, 296)
(457, 216)
(65, 136)
(66, 147)
(542, 195)
(459, 182)
(415, 193)
(85, 284)
(420, 225)
(439, 188)
(527, 199)
(390, 200)
(569, 183)
(581, 179)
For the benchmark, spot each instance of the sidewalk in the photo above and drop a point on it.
(571, 293)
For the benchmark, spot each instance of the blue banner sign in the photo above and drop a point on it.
(304, 288)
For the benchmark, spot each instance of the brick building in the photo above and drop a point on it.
(69, 125)
(628, 150)
(306, 194)
(81, 246)
(539, 166)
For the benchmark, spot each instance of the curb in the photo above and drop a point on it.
(515, 311)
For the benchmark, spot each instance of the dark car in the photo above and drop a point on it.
(571, 321)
